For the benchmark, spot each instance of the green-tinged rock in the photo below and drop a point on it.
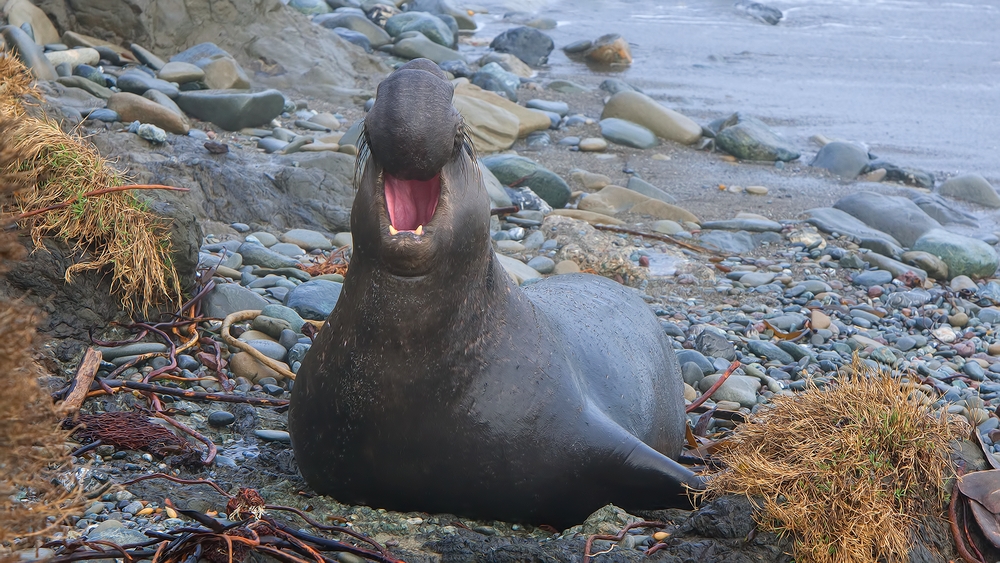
(86, 85)
(627, 133)
(518, 171)
(415, 45)
(965, 256)
(748, 138)
(233, 109)
(431, 26)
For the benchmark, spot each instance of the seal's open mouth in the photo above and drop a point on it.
(411, 203)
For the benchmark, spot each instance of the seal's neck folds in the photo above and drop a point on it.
(411, 203)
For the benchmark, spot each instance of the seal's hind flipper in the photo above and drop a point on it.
(666, 482)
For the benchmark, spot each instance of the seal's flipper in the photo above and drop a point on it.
(664, 480)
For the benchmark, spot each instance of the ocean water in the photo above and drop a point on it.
(917, 81)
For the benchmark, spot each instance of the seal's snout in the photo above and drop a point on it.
(412, 132)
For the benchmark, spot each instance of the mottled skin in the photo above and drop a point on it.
(439, 385)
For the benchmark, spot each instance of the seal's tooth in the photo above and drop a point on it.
(393, 231)
(419, 230)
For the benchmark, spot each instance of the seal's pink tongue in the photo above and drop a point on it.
(411, 203)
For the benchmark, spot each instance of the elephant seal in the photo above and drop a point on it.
(439, 385)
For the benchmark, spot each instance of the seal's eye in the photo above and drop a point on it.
(411, 203)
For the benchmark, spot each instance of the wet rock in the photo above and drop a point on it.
(414, 45)
(529, 120)
(229, 298)
(637, 184)
(893, 266)
(131, 107)
(748, 138)
(971, 187)
(494, 78)
(21, 12)
(258, 255)
(611, 49)
(831, 220)
(85, 85)
(908, 176)
(934, 266)
(726, 241)
(356, 38)
(766, 349)
(530, 20)
(314, 299)
(760, 12)
(220, 68)
(508, 62)
(613, 85)
(894, 215)
(740, 389)
(526, 43)
(843, 159)
(355, 22)
(137, 82)
(518, 271)
(753, 225)
(28, 52)
(492, 128)
(443, 7)
(664, 122)
(557, 107)
(516, 171)
(942, 210)
(627, 133)
(612, 200)
(310, 7)
(180, 72)
(307, 239)
(429, 25)
(872, 277)
(713, 344)
(74, 57)
(233, 109)
(965, 256)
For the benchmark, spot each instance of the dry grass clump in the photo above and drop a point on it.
(33, 457)
(847, 470)
(114, 229)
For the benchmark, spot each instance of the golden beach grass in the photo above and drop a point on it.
(847, 471)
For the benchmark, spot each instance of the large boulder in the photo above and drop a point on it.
(491, 127)
(643, 110)
(894, 215)
(529, 120)
(526, 43)
(267, 38)
(518, 171)
(748, 138)
(971, 187)
(843, 159)
(302, 190)
(965, 256)
(232, 109)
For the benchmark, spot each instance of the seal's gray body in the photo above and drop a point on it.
(454, 390)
